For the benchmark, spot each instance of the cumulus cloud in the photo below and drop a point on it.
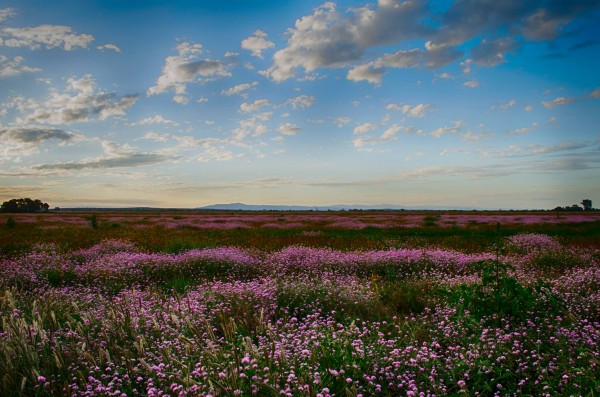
(156, 119)
(115, 156)
(521, 131)
(46, 36)
(109, 46)
(80, 102)
(288, 129)
(14, 67)
(251, 126)
(22, 141)
(155, 137)
(254, 106)
(328, 38)
(6, 13)
(534, 20)
(257, 43)
(491, 52)
(181, 99)
(364, 142)
(471, 83)
(342, 121)
(238, 88)
(558, 101)
(362, 128)
(186, 67)
(508, 105)
(301, 102)
(431, 57)
(595, 93)
(454, 129)
(415, 111)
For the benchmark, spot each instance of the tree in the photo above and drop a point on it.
(587, 204)
(24, 205)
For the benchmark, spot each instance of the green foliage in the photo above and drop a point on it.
(404, 298)
(501, 296)
(93, 221)
(430, 221)
(58, 278)
(548, 263)
(10, 223)
(179, 284)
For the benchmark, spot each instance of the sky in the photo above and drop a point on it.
(482, 103)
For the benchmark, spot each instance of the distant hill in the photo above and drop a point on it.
(339, 207)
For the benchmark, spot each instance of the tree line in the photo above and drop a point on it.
(24, 205)
(586, 205)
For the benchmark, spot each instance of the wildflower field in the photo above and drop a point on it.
(300, 304)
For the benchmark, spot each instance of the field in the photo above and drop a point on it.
(300, 304)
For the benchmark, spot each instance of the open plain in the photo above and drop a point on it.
(300, 304)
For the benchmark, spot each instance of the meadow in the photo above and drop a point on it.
(300, 304)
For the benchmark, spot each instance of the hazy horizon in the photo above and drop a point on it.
(192, 103)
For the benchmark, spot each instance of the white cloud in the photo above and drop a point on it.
(254, 106)
(251, 126)
(80, 102)
(47, 36)
(156, 137)
(215, 153)
(416, 111)
(115, 156)
(363, 142)
(109, 46)
(342, 121)
(362, 128)
(156, 119)
(6, 13)
(508, 105)
(181, 99)
(288, 129)
(238, 88)
(595, 93)
(186, 67)
(326, 38)
(13, 68)
(391, 132)
(257, 43)
(369, 72)
(558, 101)
(528, 108)
(431, 58)
(520, 131)
(448, 130)
(471, 84)
(524, 130)
(301, 102)
(24, 141)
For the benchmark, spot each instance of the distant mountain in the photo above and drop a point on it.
(340, 207)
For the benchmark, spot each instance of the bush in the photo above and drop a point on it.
(10, 223)
(501, 296)
(93, 221)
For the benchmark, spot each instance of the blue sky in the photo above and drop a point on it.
(182, 104)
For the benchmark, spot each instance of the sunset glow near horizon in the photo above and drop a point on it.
(490, 104)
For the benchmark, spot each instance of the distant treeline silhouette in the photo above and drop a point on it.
(24, 205)
(586, 205)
